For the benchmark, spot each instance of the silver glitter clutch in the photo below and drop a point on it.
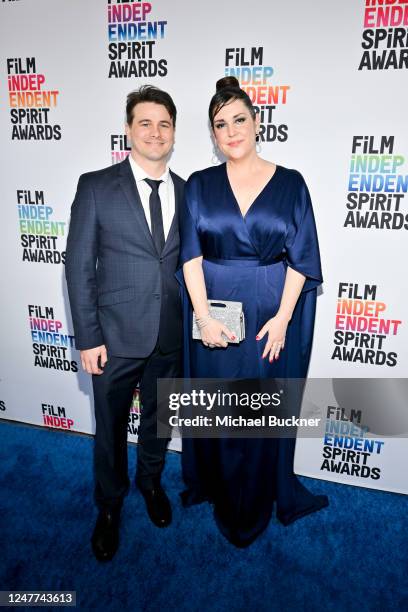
(229, 313)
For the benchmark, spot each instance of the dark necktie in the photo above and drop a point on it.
(156, 215)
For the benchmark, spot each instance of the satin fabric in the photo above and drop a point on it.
(245, 259)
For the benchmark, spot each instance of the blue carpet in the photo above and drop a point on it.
(351, 555)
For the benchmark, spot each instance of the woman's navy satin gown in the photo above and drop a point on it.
(245, 259)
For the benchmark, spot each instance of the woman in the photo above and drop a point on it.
(247, 235)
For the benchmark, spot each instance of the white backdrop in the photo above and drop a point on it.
(331, 104)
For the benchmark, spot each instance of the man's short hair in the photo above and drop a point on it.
(149, 93)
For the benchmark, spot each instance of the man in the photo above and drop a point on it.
(122, 252)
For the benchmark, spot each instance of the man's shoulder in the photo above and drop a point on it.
(176, 178)
(99, 176)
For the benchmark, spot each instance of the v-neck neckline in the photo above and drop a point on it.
(243, 217)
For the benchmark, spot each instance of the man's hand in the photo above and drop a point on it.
(89, 359)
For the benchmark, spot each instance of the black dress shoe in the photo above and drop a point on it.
(158, 506)
(105, 538)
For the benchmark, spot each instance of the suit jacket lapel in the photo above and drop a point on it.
(173, 231)
(128, 185)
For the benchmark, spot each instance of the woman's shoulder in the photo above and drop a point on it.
(290, 174)
(205, 175)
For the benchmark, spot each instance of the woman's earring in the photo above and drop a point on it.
(258, 147)
(215, 159)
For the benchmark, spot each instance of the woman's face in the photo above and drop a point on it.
(235, 130)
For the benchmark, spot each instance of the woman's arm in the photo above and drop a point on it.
(276, 327)
(194, 279)
(195, 283)
(292, 289)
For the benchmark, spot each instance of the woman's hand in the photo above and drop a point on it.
(276, 330)
(211, 334)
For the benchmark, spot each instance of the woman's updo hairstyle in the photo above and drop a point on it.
(228, 90)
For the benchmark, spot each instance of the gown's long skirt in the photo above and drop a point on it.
(244, 477)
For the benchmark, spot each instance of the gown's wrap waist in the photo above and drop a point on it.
(246, 262)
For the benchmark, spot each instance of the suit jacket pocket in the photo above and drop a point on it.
(116, 297)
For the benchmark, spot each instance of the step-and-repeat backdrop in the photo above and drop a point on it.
(329, 80)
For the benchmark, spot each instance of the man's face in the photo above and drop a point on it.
(151, 133)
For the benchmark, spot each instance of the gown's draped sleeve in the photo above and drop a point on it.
(301, 244)
(190, 246)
